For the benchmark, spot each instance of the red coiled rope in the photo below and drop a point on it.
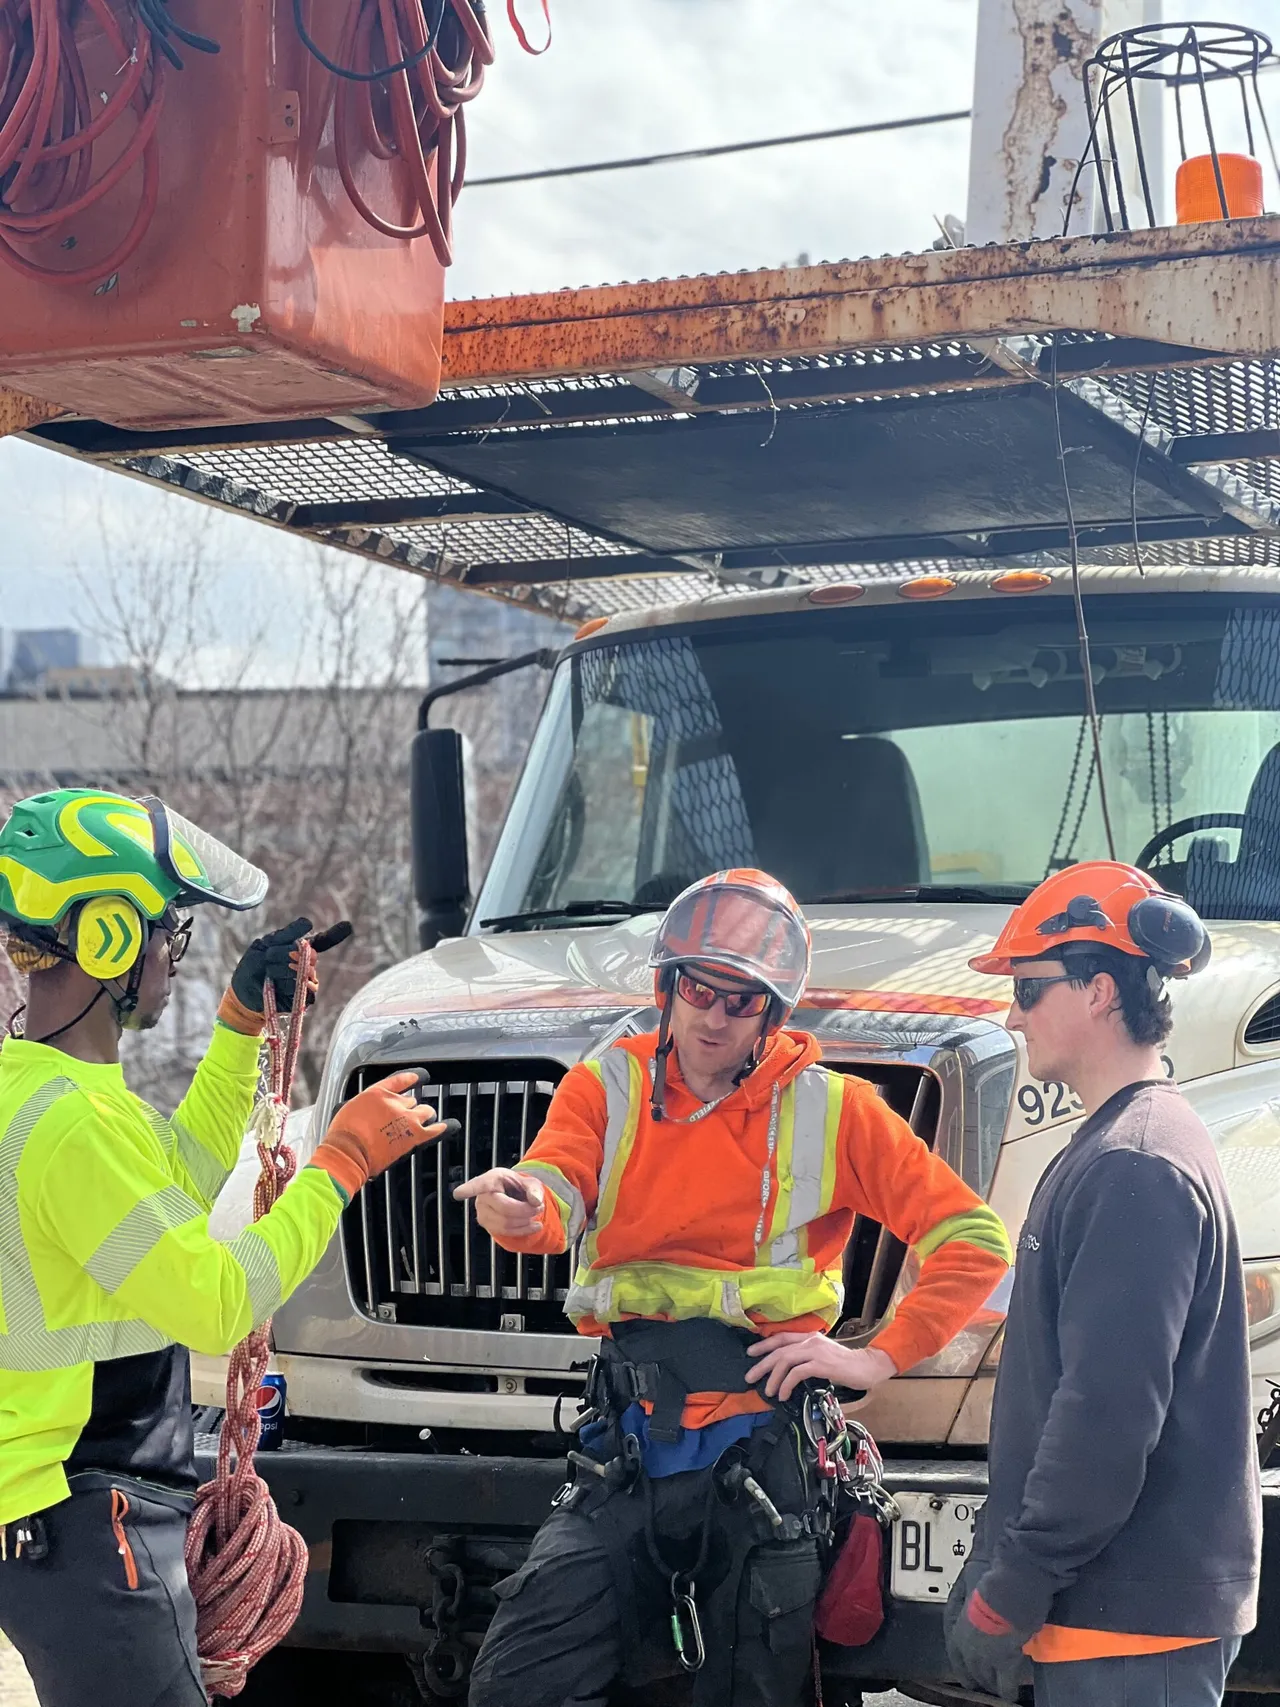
(51, 122)
(247, 1568)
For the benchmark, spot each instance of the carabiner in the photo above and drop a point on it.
(686, 1628)
(814, 1422)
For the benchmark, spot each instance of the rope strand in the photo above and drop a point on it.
(246, 1566)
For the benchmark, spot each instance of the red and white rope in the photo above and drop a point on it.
(246, 1566)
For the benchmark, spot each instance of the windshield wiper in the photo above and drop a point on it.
(571, 910)
(959, 893)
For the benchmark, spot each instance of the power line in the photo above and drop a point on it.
(720, 148)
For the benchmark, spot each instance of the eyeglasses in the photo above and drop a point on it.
(179, 937)
(1028, 991)
(738, 1004)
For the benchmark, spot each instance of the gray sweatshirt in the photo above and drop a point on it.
(1124, 1489)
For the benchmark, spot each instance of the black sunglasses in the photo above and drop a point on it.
(1028, 991)
(738, 1004)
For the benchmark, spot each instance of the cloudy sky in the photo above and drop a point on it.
(622, 77)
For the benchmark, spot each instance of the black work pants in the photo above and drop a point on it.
(566, 1627)
(107, 1618)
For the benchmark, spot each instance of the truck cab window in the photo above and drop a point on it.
(937, 750)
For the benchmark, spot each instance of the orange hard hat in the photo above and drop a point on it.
(743, 921)
(1102, 903)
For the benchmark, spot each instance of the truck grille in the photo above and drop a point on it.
(416, 1255)
(873, 1257)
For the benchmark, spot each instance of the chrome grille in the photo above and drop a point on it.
(873, 1257)
(415, 1254)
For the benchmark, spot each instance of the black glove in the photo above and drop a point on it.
(273, 956)
(984, 1648)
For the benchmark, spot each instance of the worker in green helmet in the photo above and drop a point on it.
(108, 1271)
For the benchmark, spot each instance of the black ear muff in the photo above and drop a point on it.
(1171, 933)
(110, 936)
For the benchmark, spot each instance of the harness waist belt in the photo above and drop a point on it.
(663, 1362)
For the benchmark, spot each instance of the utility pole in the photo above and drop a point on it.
(1029, 121)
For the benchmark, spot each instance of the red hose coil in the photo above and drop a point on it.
(513, 17)
(246, 1566)
(50, 129)
(416, 115)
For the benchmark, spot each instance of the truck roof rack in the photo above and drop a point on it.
(601, 450)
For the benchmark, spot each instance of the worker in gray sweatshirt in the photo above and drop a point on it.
(1118, 1551)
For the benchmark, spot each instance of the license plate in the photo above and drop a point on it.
(932, 1536)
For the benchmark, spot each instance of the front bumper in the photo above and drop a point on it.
(371, 1519)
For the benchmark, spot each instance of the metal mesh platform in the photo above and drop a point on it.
(587, 493)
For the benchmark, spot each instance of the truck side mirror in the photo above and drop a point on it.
(438, 832)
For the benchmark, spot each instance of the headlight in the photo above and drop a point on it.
(1262, 1299)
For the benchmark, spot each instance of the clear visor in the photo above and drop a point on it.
(205, 868)
(741, 929)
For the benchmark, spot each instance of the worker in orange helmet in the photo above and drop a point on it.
(1118, 1548)
(710, 1172)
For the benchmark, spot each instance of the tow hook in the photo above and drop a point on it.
(443, 1669)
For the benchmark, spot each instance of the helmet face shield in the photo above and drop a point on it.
(743, 922)
(204, 868)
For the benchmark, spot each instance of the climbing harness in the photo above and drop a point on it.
(782, 1492)
(247, 1568)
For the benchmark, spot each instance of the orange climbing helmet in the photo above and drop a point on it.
(1101, 903)
(743, 921)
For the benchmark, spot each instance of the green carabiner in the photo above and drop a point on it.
(686, 1628)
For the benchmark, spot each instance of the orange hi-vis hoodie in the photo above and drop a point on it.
(688, 1201)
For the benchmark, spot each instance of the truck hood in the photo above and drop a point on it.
(909, 959)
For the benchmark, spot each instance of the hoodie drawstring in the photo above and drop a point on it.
(766, 1180)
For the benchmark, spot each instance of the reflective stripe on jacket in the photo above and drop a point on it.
(786, 1282)
(105, 1249)
(744, 1214)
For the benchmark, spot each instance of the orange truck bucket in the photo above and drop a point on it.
(1197, 188)
(258, 293)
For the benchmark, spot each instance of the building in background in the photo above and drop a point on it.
(29, 655)
(465, 632)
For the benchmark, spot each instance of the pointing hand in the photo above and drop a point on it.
(507, 1203)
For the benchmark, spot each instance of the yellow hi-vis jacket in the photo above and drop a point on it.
(105, 1249)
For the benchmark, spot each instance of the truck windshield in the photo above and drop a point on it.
(931, 751)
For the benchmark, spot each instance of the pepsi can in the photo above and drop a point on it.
(271, 1398)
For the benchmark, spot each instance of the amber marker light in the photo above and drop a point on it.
(1021, 581)
(1200, 191)
(592, 626)
(927, 587)
(839, 593)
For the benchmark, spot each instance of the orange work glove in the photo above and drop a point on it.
(377, 1128)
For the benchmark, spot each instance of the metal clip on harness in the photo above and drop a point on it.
(686, 1627)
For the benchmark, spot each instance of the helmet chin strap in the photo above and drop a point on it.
(666, 1043)
(126, 1005)
(772, 1019)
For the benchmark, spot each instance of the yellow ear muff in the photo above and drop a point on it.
(110, 936)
